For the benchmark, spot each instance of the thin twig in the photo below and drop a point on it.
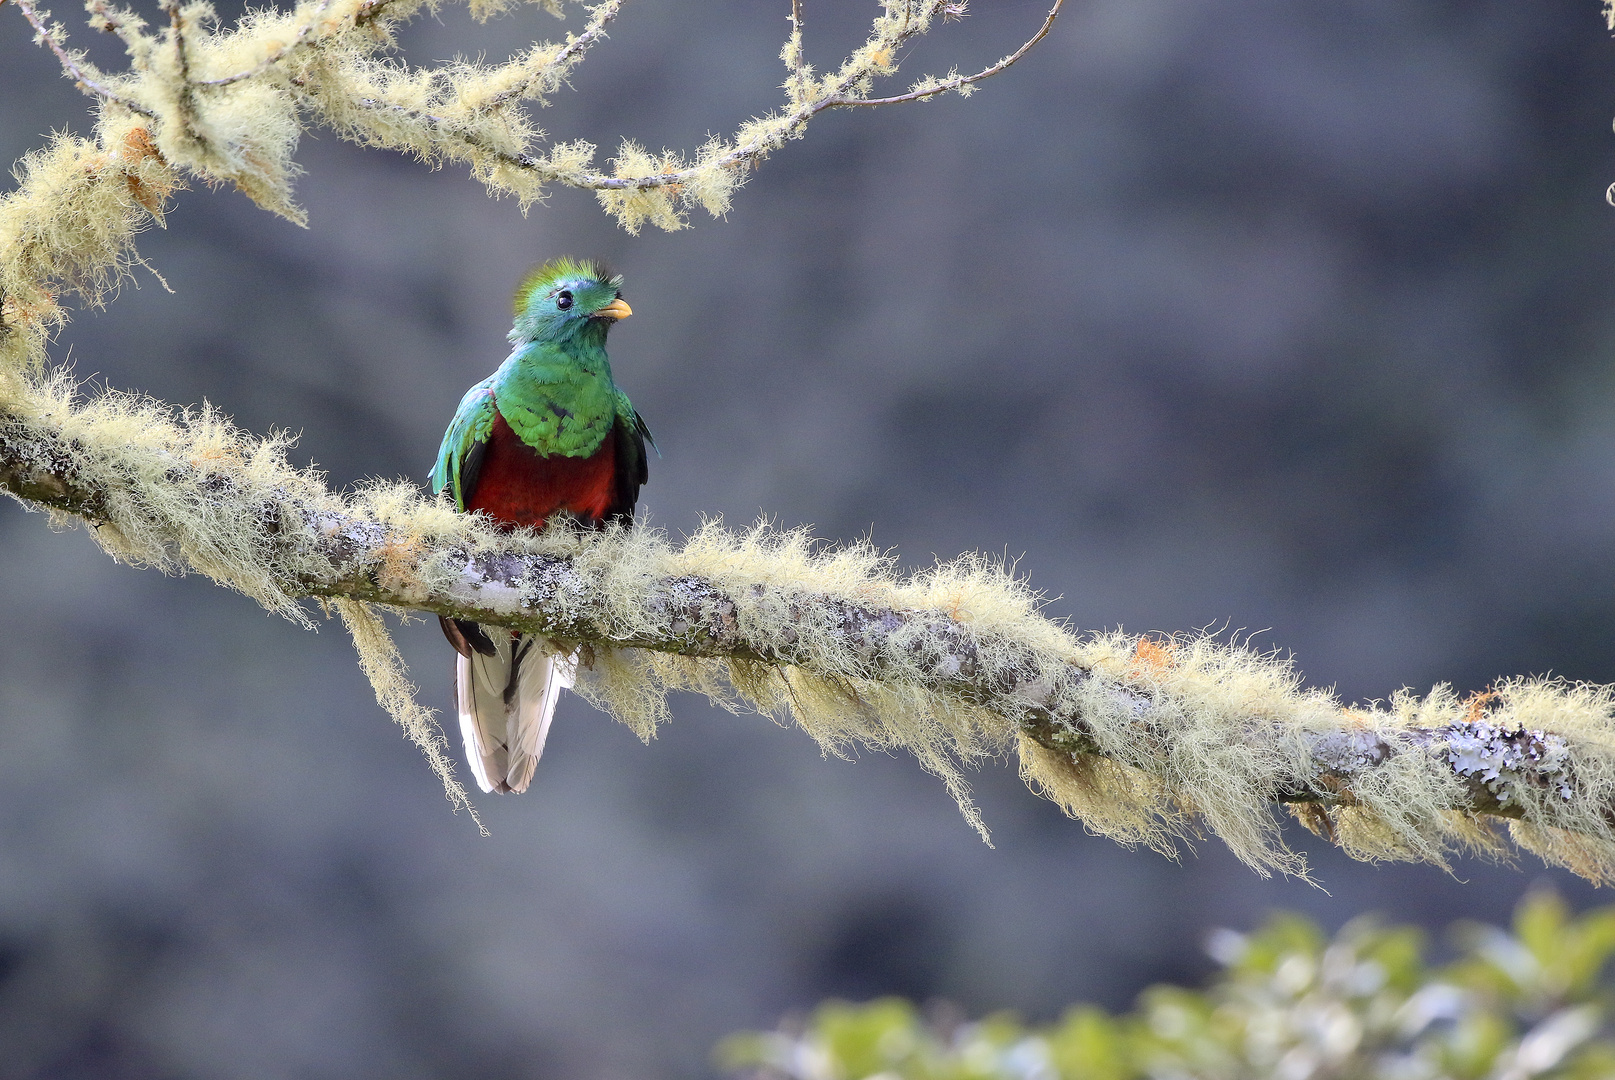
(79, 71)
(757, 148)
(963, 80)
(182, 55)
(799, 57)
(739, 156)
(176, 23)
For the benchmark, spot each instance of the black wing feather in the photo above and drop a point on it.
(471, 471)
(632, 468)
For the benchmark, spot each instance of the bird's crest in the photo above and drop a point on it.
(544, 276)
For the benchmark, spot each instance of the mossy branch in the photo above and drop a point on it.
(229, 104)
(1146, 740)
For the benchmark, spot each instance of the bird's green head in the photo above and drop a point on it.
(567, 298)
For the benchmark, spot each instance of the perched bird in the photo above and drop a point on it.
(547, 435)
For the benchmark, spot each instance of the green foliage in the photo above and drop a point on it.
(1288, 1004)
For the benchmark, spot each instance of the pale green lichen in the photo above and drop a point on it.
(226, 103)
(382, 665)
(70, 226)
(1239, 726)
(1177, 735)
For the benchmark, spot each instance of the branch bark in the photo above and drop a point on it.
(347, 555)
(846, 89)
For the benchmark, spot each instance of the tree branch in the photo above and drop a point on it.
(222, 129)
(955, 83)
(1417, 771)
(85, 77)
(840, 97)
(178, 27)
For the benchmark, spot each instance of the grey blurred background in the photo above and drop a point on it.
(1267, 314)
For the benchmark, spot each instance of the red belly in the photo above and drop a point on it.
(519, 486)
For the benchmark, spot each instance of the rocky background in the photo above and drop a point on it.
(1251, 314)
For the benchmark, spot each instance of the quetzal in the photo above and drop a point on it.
(547, 434)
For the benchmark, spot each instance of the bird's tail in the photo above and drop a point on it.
(506, 687)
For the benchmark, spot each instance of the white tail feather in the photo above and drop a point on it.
(465, 700)
(504, 737)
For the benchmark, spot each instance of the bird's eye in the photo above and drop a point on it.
(564, 299)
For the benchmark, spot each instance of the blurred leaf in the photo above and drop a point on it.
(1088, 1042)
(868, 1039)
(1290, 1004)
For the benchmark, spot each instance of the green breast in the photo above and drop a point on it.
(556, 403)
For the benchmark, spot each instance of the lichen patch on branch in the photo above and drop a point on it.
(1147, 740)
(227, 104)
(70, 227)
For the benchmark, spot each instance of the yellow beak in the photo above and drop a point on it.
(617, 309)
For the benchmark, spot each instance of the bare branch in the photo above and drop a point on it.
(964, 80)
(84, 75)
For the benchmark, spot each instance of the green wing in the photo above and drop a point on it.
(460, 457)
